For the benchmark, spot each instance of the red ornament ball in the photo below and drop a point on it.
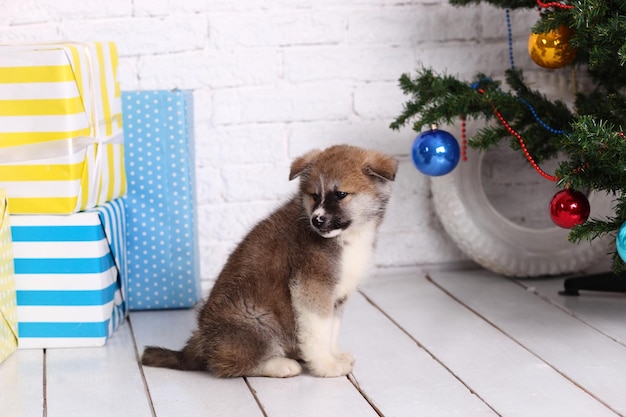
(569, 208)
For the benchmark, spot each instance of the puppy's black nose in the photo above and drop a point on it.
(318, 221)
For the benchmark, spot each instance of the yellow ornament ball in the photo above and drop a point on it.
(551, 50)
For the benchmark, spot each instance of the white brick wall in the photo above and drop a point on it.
(275, 78)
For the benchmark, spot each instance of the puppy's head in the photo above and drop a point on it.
(344, 187)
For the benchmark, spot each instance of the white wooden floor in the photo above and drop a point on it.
(444, 343)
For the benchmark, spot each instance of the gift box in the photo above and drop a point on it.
(61, 139)
(70, 275)
(8, 306)
(163, 262)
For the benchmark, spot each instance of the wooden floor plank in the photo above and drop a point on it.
(21, 384)
(400, 377)
(96, 382)
(308, 396)
(602, 310)
(592, 360)
(510, 379)
(181, 394)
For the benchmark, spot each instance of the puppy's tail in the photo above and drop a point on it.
(173, 359)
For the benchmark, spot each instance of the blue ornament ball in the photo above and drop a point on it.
(621, 242)
(435, 152)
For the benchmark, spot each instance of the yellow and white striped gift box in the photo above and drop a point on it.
(8, 303)
(61, 139)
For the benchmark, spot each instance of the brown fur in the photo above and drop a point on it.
(283, 266)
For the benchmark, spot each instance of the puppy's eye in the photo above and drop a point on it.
(315, 197)
(340, 195)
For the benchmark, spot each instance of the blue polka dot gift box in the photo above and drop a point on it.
(70, 276)
(163, 262)
(8, 303)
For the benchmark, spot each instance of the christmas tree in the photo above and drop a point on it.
(590, 138)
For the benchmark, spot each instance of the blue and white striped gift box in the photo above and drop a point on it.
(70, 274)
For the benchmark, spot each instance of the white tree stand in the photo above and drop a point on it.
(501, 245)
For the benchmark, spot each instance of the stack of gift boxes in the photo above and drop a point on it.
(96, 219)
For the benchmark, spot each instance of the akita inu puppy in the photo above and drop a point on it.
(278, 301)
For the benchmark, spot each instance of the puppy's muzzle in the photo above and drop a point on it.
(327, 225)
(318, 221)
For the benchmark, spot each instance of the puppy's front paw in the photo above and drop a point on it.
(278, 367)
(345, 357)
(330, 368)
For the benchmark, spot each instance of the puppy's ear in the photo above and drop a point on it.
(381, 166)
(302, 164)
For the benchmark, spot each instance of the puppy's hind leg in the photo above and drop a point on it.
(277, 367)
(251, 348)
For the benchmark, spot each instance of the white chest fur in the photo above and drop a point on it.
(358, 248)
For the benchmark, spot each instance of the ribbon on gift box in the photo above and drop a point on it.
(59, 148)
(61, 141)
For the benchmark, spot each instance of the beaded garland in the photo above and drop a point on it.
(463, 139)
(553, 4)
(522, 144)
(541, 122)
(509, 36)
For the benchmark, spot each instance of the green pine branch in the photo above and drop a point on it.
(442, 99)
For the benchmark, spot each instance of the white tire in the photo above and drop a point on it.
(500, 245)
